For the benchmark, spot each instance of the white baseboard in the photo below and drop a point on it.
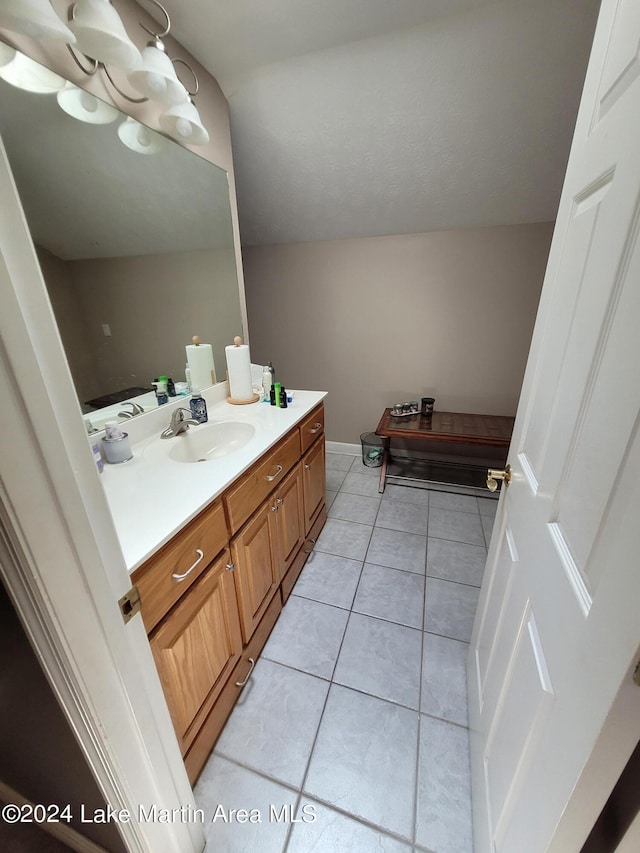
(341, 447)
(62, 831)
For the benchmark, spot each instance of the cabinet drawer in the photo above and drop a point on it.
(169, 573)
(244, 498)
(311, 427)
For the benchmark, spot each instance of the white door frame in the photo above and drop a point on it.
(62, 563)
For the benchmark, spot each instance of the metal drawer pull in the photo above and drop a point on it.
(189, 570)
(315, 428)
(242, 683)
(307, 465)
(279, 501)
(309, 550)
(274, 508)
(230, 567)
(271, 477)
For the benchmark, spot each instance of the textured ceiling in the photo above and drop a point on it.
(368, 117)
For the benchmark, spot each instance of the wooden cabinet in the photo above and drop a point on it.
(197, 647)
(289, 502)
(163, 579)
(211, 595)
(254, 552)
(314, 479)
(252, 488)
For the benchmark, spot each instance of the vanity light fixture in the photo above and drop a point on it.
(182, 121)
(100, 34)
(34, 18)
(139, 138)
(24, 73)
(84, 106)
(99, 39)
(156, 76)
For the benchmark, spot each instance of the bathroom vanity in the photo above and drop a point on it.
(211, 591)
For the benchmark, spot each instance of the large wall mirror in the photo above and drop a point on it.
(136, 249)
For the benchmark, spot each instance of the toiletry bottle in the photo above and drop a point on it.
(161, 392)
(272, 395)
(283, 397)
(171, 388)
(187, 376)
(272, 372)
(266, 383)
(276, 388)
(198, 406)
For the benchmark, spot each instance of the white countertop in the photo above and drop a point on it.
(151, 496)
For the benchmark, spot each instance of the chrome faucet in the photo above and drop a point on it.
(178, 423)
(136, 409)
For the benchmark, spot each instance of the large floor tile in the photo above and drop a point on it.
(332, 832)
(450, 609)
(358, 467)
(488, 507)
(344, 539)
(357, 508)
(307, 636)
(444, 789)
(364, 759)
(398, 550)
(381, 658)
(487, 527)
(335, 479)
(330, 579)
(456, 561)
(391, 594)
(459, 526)
(331, 496)
(360, 484)
(223, 786)
(444, 678)
(406, 494)
(407, 517)
(274, 723)
(449, 500)
(339, 461)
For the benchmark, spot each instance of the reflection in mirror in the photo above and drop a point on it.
(136, 248)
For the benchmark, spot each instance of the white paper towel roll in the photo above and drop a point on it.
(239, 372)
(200, 361)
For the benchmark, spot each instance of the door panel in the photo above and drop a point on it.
(555, 632)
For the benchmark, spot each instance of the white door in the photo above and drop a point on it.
(558, 622)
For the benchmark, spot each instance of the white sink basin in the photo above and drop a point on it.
(210, 441)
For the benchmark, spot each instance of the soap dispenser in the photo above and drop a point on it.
(198, 406)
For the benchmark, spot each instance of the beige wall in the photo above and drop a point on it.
(381, 320)
(71, 324)
(154, 305)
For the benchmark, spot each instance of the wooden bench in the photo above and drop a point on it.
(448, 442)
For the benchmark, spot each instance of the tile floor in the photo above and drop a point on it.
(356, 713)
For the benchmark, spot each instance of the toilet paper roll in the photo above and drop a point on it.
(200, 361)
(239, 372)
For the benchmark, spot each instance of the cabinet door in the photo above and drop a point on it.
(254, 552)
(290, 518)
(197, 646)
(313, 468)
